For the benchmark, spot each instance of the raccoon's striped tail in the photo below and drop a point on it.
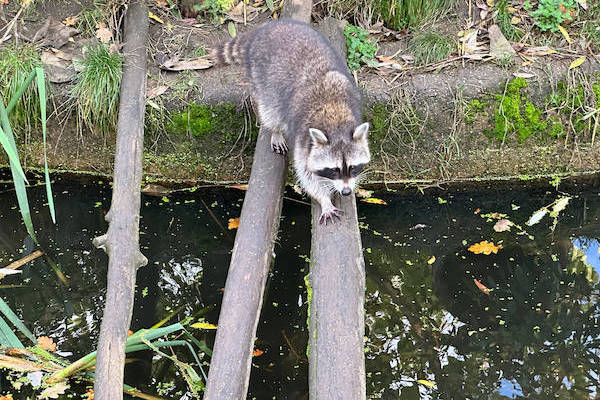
(231, 52)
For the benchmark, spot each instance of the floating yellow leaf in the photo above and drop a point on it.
(374, 200)
(426, 383)
(577, 62)
(482, 287)
(203, 325)
(257, 352)
(565, 33)
(234, 223)
(484, 247)
(154, 17)
(431, 260)
(46, 343)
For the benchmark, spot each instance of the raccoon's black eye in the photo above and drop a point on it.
(329, 173)
(356, 169)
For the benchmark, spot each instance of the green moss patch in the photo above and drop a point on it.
(200, 120)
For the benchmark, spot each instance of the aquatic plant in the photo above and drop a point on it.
(7, 141)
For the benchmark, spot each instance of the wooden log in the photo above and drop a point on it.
(230, 364)
(121, 242)
(337, 284)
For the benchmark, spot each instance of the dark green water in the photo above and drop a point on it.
(535, 335)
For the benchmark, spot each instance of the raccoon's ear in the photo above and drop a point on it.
(361, 132)
(317, 136)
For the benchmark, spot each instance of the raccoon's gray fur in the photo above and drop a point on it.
(305, 95)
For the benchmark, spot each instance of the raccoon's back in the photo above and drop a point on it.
(290, 52)
(286, 51)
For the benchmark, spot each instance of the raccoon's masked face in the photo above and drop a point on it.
(339, 162)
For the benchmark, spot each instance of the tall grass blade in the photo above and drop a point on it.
(12, 317)
(13, 156)
(7, 336)
(19, 93)
(41, 86)
(18, 180)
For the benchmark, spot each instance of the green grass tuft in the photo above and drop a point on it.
(407, 14)
(16, 64)
(430, 47)
(591, 27)
(503, 18)
(89, 19)
(97, 90)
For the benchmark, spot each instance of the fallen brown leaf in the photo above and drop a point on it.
(54, 391)
(155, 91)
(104, 35)
(174, 64)
(481, 287)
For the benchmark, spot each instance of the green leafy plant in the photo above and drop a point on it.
(361, 49)
(214, 9)
(97, 90)
(7, 141)
(551, 13)
(430, 47)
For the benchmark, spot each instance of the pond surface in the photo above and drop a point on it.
(442, 321)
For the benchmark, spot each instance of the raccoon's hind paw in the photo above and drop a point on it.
(278, 143)
(330, 215)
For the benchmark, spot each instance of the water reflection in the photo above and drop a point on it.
(432, 331)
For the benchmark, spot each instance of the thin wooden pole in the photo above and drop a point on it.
(121, 242)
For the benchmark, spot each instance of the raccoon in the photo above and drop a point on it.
(306, 98)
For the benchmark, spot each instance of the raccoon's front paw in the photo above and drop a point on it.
(278, 143)
(330, 215)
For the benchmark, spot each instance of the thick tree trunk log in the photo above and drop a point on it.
(337, 281)
(121, 242)
(230, 365)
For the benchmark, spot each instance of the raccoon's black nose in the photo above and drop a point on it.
(346, 191)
